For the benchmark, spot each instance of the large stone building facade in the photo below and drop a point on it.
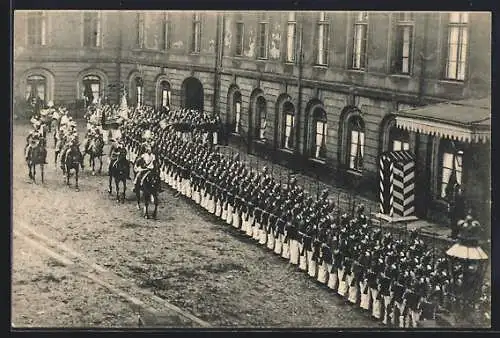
(316, 90)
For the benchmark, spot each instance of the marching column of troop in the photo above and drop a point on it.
(400, 282)
(65, 134)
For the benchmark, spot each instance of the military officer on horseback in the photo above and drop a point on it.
(117, 149)
(71, 139)
(92, 133)
(34, 139)
(148, 163)
(65, 119)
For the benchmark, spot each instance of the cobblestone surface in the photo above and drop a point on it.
(186, 257)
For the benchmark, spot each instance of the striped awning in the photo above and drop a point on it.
(467, 121)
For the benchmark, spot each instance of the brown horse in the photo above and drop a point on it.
(73, 160)
(36, 156)
(95, 150)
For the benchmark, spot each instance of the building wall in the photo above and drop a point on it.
(376, 91)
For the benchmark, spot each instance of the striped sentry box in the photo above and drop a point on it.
(397, 183)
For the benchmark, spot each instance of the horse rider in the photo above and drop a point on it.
(92, 133)
(32, 140)
(92, 120)
(56, 114)
(35, 119)
(65, 119)
(72, 139)
(117, 149)
(69, 129)
(149, 158)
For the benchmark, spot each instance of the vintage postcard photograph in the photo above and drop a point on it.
(251, 169)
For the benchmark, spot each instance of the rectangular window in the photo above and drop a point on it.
(322, 40)
(239, 39)
(40, 89)
(360, 41)
(154, 30)
(28, 91)
(291, 38)
(196, 38)
(95, 92)
(263, 40)
(288, 141)
(37, 29)
(398, 145)
(357, 150)
(263, 125)
(404, 44)
(165, 98)
(166, 31)
(139, 96)
(320, 146)
(451, 171)
(457, 46)
(140, 30)
(238, 117)
(91, 29)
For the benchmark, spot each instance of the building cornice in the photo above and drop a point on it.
(339, 87)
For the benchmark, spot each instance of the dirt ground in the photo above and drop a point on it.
(187, 258)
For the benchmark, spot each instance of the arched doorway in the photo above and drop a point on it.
(92, 88)
(192, 94)
(36, 88)
(36, 92)
(165, 96)
(137, 91)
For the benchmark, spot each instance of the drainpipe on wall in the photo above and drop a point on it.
(219, 47)
(299, 88)
(119, 56)
(423, 62)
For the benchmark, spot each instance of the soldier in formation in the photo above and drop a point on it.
(400, 282)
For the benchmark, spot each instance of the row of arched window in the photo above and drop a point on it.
(316, 131)
(448, 168)
(450, 153)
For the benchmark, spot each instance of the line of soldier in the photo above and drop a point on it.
(399, 282)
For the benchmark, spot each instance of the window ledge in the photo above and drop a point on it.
(317, 160)
(402, 76)
(151, 50)
(451, 81)
(360, 71)
(261, 141)
(355, 172)
(290, 63)
(320, 66)
(287, 151)
(262, 59)
(235, 134)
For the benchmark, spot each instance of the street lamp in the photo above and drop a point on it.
(472, 257)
